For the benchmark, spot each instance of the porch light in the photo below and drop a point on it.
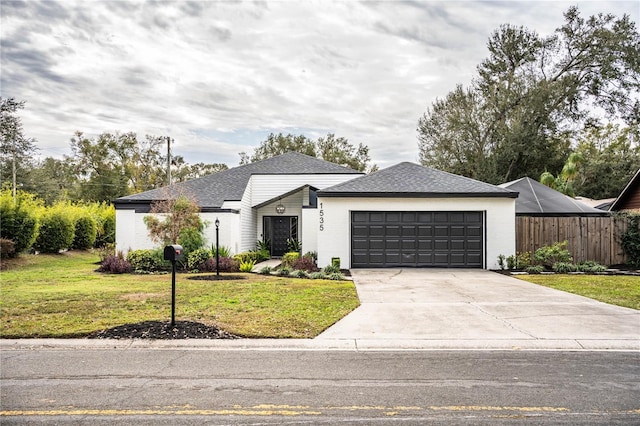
(280, 209)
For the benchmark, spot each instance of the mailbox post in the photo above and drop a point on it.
(173, 253)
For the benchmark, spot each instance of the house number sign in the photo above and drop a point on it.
(321, 218)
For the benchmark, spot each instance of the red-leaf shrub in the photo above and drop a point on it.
(114, 265)
(225, 264)
(305, 264)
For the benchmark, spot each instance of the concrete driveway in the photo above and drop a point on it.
(451, 308)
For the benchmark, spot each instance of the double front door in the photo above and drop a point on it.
(277, 230)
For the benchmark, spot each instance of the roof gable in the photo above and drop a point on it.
(537, 199)
(213, 190)
(629, 198)
(412, 180)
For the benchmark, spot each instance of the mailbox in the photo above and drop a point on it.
(173, 252)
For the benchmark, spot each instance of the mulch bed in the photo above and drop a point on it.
(217, 277)
(163, 330)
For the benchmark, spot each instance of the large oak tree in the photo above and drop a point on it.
(532, 96)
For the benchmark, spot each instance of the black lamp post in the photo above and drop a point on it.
(217, 251)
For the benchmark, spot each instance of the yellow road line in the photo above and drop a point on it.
(291, 410)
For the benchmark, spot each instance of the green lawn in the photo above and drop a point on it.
(63, 296)
(614, 289)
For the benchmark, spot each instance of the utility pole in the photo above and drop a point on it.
(169, 159)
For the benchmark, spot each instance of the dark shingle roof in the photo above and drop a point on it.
(537, 199)
(412, 180)
(213, 190)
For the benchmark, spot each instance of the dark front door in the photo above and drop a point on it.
(278, 229)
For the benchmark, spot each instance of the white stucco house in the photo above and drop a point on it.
(404, 216)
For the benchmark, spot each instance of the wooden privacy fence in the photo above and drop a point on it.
(589, 238)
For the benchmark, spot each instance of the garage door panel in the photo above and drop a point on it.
(425, 231)
(392, 257)
(376, 244)
(420, 239)
(474, 245)
(425, 244)
(457, 245)
(441, 231)
(360, 244)
(393, 244)
(441, 245)
(474, 231)
(408, 245)
(392, 231)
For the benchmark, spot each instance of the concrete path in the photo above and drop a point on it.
(453, 309)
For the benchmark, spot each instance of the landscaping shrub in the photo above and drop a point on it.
(631, 240)
(226, 264)
(289, 259)
(7, 248)
(312, 254)
(299, 274)
(247, 266)
(56, 232)
(331, 269)
(223, 251)
(115, 265)
(537, 269)
(336, 276)
(266, 270)
(547, 256)
(284, 271)
(254, 255)
(294, 245)
(317, 275)
(306, 264)
(196, 258)
(85, 233)
(191, 239)
(18, 221)
(564, 267)
(523, 260)
(148, 261)
(590, 266)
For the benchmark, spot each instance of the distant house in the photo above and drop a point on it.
(404, 216)
(536, 199)
(629, 198)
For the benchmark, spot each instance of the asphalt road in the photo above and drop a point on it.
(189, 386)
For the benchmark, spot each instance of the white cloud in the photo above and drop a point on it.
(219, 76)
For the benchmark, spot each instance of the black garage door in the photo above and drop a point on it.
(419, 239)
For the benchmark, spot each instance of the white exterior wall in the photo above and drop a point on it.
(335, 238)
(248, 221)
(132, 233)
(229, 234)
(309, 230)
(267, 187)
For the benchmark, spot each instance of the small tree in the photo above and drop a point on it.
(181, 222)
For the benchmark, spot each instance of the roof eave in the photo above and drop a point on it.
(418, 194)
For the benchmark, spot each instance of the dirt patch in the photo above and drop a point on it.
(141, 297)
(163, 330)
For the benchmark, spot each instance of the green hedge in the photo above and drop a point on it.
(18, 224)
(85, 233)
(56, 233)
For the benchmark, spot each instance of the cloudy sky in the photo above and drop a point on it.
(220, 76)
